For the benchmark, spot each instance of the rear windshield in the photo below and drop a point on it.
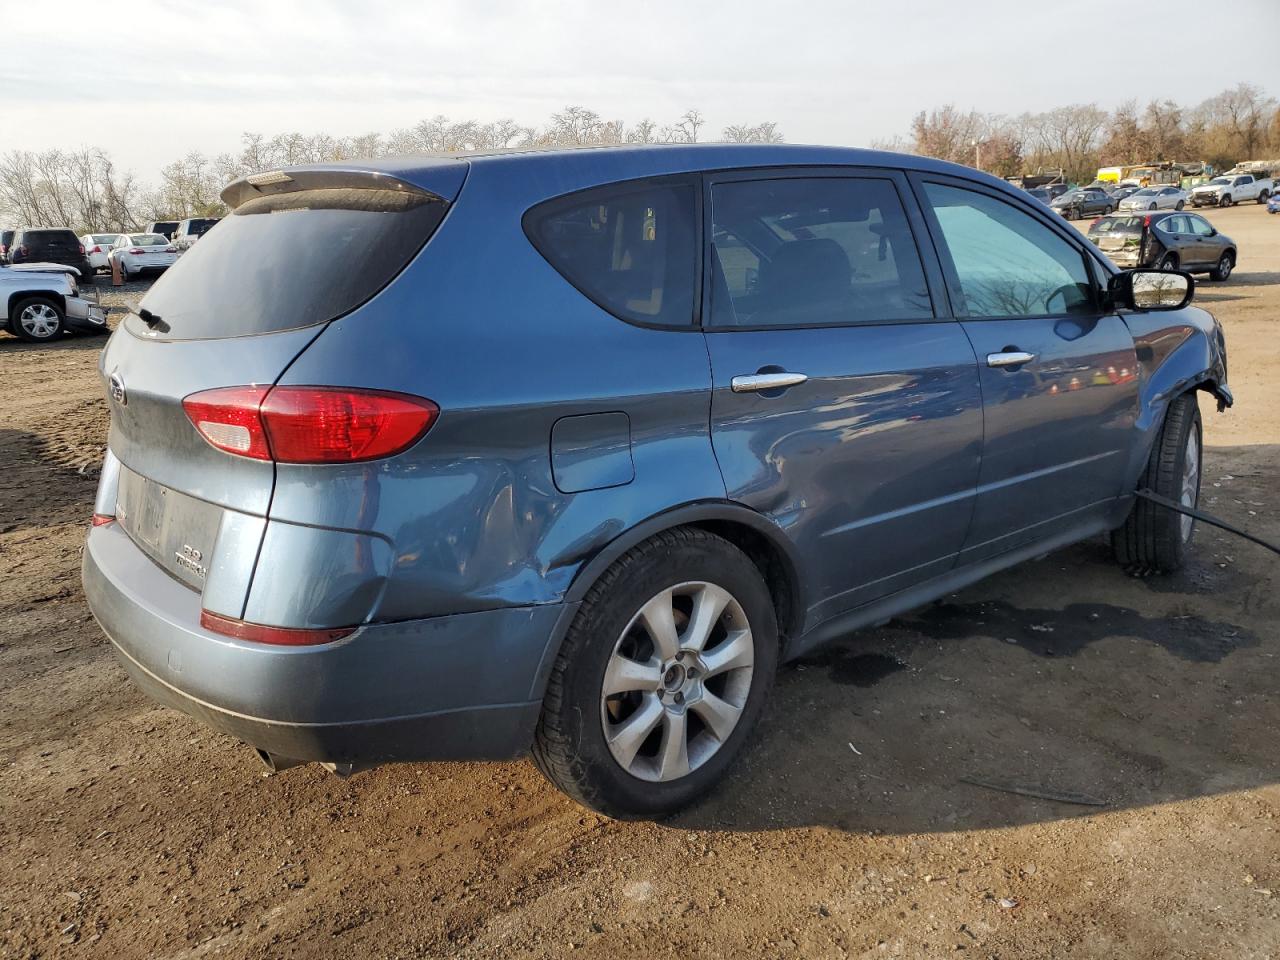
(1117, 225)
(197, 228)
(50, 238)
(291, 260)
(105, 237)
(148, 240)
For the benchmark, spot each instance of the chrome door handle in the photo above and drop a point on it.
(766, 381)
(1010, 358)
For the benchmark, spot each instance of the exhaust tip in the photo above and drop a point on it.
(276, 763)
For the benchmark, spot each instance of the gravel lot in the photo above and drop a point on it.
(130, 831)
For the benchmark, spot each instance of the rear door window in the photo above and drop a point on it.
(1007, 262)
(629, 247)
(289, 260)
(1200, 226)
(814, 251)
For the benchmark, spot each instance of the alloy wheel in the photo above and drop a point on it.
(39, 320)
(1190, 482)
(677, 681)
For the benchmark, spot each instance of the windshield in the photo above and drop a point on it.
(1148, 192)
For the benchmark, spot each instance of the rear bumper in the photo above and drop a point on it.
(447, 688)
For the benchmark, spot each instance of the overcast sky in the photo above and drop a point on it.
(149, 80)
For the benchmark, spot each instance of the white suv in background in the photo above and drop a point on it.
(189, 231)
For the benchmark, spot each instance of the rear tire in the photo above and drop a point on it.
(1154, 539)
(1262, 197)
(1168, 262)
(37, 320)
(1222, 272)
(586, 743)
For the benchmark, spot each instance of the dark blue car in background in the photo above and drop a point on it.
(442, 458)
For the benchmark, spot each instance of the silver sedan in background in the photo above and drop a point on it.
(1155, 198)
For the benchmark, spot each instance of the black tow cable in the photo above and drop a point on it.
(1204, 518)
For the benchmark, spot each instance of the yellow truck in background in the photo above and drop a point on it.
(1165, 172)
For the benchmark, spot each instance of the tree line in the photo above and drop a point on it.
(84, 189)
(1239, 124)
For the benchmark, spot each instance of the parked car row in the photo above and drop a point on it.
(93, 252)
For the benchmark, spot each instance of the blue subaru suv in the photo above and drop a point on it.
(563, 452)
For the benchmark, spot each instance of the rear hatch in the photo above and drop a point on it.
(52, 246)
(300, 250)
(1118, 234)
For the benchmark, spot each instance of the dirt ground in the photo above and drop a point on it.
(850, 829)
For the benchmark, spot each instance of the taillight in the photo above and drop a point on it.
(261, 633)
(228, 418)
(137, 250)
(170, 249)
(309, 424)
(102, 519)
(82, 249)
(96, 249)
(1146, 221)
(23, 250)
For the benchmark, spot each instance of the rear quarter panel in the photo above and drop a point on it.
(484, 326)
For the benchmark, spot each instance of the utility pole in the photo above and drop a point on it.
(977, 153)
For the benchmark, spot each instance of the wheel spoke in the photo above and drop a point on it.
(708, 604)
(720, 716)
(625, 674)
(736, 651)
(658, 617)
(673, 754)
(629, 735)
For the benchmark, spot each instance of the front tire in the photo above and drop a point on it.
(37, 320)
(1181, 204)
(661, 677)
(1226, 201)
(1155, 539)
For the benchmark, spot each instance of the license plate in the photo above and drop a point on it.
(149, 524)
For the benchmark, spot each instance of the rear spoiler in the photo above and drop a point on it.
(438, 179)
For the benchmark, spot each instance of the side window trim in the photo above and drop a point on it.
(954, 288)
(934, 277)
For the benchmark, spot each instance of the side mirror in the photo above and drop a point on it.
(1151, 289)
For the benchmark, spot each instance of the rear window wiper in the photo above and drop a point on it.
(152, 320)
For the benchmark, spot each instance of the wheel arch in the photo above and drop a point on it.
(21, 295)
(762, 540)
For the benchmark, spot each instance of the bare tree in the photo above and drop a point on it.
(766, 132)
